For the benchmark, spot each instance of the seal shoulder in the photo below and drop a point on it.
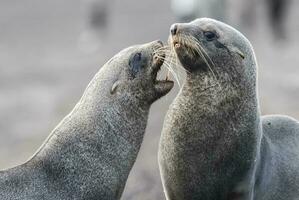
(279, 127)
(278, 167)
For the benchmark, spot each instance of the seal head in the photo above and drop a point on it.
(137, 68)
(206, 45)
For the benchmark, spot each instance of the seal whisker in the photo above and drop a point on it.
(202, 53)
(189, 42)
(174, 60)
(169, 65)
(170, 58)
(163, 49)
(172, 71)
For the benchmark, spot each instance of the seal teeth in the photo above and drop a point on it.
(167, 76)
(177, 45)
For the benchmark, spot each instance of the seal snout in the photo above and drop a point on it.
(174, 35)
(158, 59)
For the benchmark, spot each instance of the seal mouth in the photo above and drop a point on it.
(162, 87)
(187, 52)
(176, 43)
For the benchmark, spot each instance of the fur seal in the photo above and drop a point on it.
(90, 153)
(214, 142)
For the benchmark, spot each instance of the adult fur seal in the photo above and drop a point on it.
(91, 152)
(214, 143)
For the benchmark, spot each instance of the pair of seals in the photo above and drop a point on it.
(90, 153)
(214, 143)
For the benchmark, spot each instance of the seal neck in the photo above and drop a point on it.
(226, 136)
(95, 146)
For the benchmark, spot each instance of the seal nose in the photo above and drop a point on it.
(174, 29)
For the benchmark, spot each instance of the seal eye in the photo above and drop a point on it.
(210, 35)
(136, 63)
(137, 57)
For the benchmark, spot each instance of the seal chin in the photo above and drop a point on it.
(188, 57)
(163, 87)
(187, 60)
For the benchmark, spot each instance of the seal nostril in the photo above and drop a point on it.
(173, 29)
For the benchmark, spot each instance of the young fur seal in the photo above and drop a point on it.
(90, 153)
(214, 143)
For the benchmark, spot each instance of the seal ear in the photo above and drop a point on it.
(238, 51)
(114, 87)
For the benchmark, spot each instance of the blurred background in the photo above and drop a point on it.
(51, 49)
